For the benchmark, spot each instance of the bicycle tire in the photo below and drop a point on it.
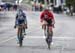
(48, 42)
(49, 38)
(20, 43)
(20, 39)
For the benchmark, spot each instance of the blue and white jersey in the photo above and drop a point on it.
(21, 18)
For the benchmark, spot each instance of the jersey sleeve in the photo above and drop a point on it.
(51, 15)
(41, 16)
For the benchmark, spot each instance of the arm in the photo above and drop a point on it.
(52, 17)
(53, 20)
(25, 21)
(41, 17)
(16, 21)
(25, 18)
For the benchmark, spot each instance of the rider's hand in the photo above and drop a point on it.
(15, 26)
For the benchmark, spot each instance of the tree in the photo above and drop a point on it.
(70, 4)
(42, 1)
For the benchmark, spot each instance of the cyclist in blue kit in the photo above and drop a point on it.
(21, 20)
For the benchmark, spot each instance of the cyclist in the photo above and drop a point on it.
(20, 20)
(47, 18)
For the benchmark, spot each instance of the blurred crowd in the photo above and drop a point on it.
(36, 7)
(40, 7)
(8, 7)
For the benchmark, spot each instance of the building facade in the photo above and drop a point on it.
(57, 2)
(9, 1)
(54, 2)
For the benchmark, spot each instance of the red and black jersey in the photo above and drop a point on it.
(46, 15)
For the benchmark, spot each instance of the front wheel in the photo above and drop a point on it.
(21, 39)
(49, 39)
(20, 42)
(48, 42)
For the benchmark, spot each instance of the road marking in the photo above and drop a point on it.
(61, 38)
(7, 39)
(37, 37)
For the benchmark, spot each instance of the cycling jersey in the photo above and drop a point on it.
(20, 19)
(46, 15)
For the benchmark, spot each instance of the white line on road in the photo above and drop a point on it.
(37, 37)
(7, 39)
(60, 38)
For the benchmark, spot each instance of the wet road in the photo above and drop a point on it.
(34, 41)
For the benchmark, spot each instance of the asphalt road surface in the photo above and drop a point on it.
(34, 41)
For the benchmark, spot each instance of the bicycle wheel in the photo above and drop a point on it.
(49, 38)
(20, 43)
(20, 39)
(48, 42)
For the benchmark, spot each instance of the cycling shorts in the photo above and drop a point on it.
(19, 22)
(49, 22)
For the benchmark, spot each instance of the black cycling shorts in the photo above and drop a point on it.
(49, 21)
(20, 22)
